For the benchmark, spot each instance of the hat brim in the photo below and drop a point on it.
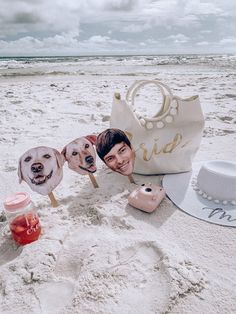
(179, 188)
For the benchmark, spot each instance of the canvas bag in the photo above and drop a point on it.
(167, 142)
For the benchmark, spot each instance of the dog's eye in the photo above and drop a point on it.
(27, 159)
(47, 156)
(86, 146)
(74, 153)
(143, 184)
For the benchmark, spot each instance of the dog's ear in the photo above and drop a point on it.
(19, 171)
(63, 152)
(60, 158)
(92, 138)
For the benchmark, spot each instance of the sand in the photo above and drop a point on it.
(97, 254)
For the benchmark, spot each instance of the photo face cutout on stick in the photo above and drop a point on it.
(120, 159)
(41, 168)
(80, 155)
(114, 148)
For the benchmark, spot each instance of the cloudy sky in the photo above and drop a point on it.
(88, 27)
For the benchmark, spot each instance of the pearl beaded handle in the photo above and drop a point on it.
(165, 91)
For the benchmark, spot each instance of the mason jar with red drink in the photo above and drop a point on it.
(22, 217)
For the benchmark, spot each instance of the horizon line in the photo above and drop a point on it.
(115, 55)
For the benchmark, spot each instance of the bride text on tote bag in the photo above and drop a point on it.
(167, 142)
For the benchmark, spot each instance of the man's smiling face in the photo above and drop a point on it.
(120, 159)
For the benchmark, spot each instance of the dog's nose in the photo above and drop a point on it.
(89, 159)
(148, 190)
(37, 167)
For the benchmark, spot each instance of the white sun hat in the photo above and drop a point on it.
(208, 192)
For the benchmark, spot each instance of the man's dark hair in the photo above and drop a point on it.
(108, 139)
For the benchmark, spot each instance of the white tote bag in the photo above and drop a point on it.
(167, 142)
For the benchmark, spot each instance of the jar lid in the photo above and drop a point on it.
(16, 201)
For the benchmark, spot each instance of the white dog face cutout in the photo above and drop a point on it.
(41, 168)
(80, 155)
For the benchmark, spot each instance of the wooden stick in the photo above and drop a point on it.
(93, 180)
(117, 96)
(53, 200)
(131, 179)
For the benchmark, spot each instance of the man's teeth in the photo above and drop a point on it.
(124, 166)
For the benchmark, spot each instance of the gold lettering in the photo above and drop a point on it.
(168, 148)
(145, 151)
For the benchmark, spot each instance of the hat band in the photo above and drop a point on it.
(209, 197)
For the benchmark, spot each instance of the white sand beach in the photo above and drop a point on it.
(97, 254)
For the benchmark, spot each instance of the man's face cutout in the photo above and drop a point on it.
(120, 159)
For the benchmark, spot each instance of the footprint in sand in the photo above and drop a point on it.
(95, 215)
(9, 250)
(231, 96)
(84, 213)
(111, 272)
(53, 296)
(212, 132)
(229, 119)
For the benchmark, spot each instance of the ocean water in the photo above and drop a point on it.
(107, 65)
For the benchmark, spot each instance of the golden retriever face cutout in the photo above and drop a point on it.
(41, 168)
(80, 155)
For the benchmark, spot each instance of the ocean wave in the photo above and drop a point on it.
(31, 66)
(38, 73)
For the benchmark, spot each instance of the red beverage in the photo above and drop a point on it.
(22, 218)
(25, 228)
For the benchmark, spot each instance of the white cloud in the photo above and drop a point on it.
(104, 40)
(179, 38)
(98, 39)
(72, 25)
(228, 41)
(206, 31)
(118, 5)
(63, 39)
(115, 5)
(67, 43)
(197, 7)
(30, 45)
(202, 43)
(136, 28)
(22, 17)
